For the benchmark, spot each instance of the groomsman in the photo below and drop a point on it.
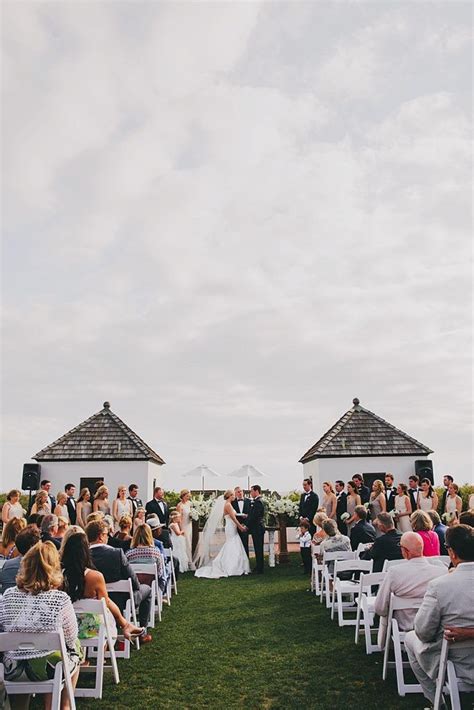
(447, 480)
(390, 492)
(341, 507)
(362, 490)
(134, 499)
(242, 506)
(413, 491)
(309, 503)
(70, 490)
(158, 506)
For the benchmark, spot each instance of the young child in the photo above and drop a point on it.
(178, 541)
(305, 545)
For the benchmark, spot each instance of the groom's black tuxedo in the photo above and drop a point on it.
(245, 504)
(256, 527)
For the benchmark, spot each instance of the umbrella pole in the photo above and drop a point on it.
(248, 484)
(202, 483)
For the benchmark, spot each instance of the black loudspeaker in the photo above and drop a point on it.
(31, 477)
(424, 469)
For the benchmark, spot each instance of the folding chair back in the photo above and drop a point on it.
(41, 641)
(447, 681)
(150, 569)
(172, 583)
(365, 609)
(327, 576)
(391, 563)
(348, 587)
(394, 634)
(124, 586)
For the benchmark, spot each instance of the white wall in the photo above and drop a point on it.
(332, 469)
(114, 473)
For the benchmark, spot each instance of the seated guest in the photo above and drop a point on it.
(9, 533)
(467, 518)
(49, 530)
(125, 525)
(385, 547)
(143, 550)
(318, 521)
(447, 603)
(35, 519)
(439, 529)
(63, 525)
(113, 541)
(407, 579)
(155, 526)
(363, 531)
(36, 604)
(335, 542)
(160, 532)
(139, 518)
(25, 540)
(115, 567)
(421, 524)
(83, 581)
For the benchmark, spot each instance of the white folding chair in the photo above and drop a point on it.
(327, 576)
(40, 641)
(391, 563)
(150, 569)
(397, 637)
(316, 570)
(348, 588)
(447, 682)
(172, 583)
(439, 560)
(104, 636)
(365, 609)
(361, 548)
(124, 586)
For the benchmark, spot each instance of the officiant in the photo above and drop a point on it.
(241, 505)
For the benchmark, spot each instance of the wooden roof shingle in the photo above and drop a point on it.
(102, 437)
(360, 432)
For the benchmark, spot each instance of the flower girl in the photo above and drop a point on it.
(178, 541)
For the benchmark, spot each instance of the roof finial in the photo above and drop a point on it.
(356, 401)
(106, 405)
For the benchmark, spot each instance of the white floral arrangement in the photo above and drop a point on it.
(201, 507)
(282, 506)
(448, 517)
(345, 516)
(393, 513)
(367, 505)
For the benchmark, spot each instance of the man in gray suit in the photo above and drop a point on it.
(448, 602)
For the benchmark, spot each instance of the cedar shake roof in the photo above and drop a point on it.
(362, 433)
(102, 437)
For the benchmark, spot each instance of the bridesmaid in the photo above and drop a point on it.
(83, 507)
(61, 506)
(12, 507)
(41, 506)
(329, 500)
(101, 501)
(121, 506)
(428, 499)
(453, 501)
(353, 499)
(378, 500)
(403, 508)
(185, 522)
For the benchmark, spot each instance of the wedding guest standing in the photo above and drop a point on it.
(362, 489)
(12, 507)
(158, 506)
(134, 499)
(453, 501)
(70, 490)
(329, 500)
(185, 523)
(390, 492)
(61, 509)
(447, 479)
(121, 506)
(309, 503)
(413, 490)
(427, 500)
(83, 508)
(353, 499)
(378, 502)
(241, 505)
(178, 540)
(403, 508)
(101, 501)
(421, 524)
(341, 506)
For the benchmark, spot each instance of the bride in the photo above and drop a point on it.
(231, 560)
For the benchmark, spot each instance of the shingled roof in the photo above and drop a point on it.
(102, 437)
(360, 432)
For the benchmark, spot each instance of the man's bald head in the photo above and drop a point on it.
(411, 545)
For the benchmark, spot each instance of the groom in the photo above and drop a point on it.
(256, 526)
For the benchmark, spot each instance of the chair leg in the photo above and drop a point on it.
(359, 609)
(57, 687)
(453, 687)
(388, 639)
(397, 650)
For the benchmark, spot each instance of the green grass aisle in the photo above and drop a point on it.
(251, 642)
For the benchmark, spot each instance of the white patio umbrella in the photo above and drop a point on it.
(202, 471)
(249, 472)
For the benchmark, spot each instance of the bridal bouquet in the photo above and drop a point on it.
(448, 517)
(345, 516)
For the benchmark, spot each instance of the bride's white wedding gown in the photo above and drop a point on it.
(232, 560)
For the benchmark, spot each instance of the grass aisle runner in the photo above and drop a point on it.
(251, 642)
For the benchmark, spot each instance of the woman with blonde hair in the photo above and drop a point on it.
(140, 515)
(125, 527)
(37, 604)
(422, 524)
(353, 500)
(12, 507)
(185, 522)
(83, 507)
(121, 506)
(42, 505)
(61, 508)
(329, 500)
(101, 501)
(318, 521)
(7, 546)
(377, 501)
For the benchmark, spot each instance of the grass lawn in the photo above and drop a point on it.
(251, 642)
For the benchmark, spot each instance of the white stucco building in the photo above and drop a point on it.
(362, 442)
(102, 448)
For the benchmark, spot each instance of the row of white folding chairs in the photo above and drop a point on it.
(434, 560)
(447, 682)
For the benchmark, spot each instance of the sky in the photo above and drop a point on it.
(229, 219)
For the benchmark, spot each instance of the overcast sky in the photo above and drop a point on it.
(229, 219)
